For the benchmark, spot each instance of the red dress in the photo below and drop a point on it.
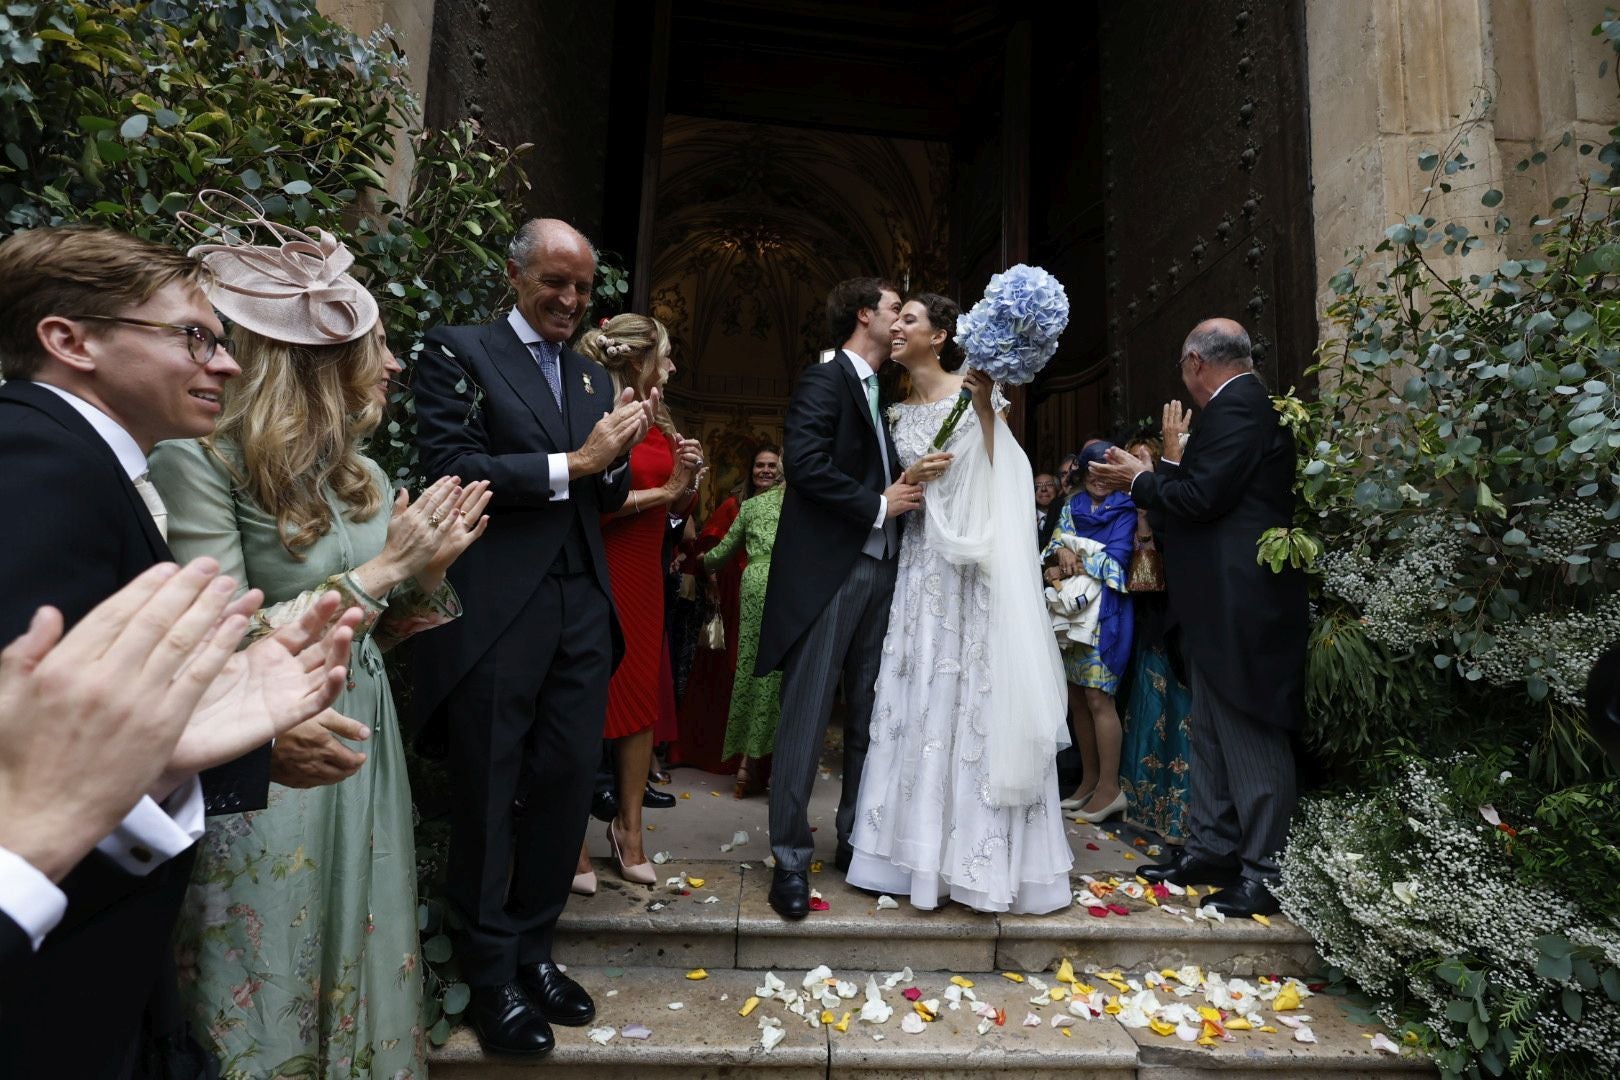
(708, 688)
(634, 545)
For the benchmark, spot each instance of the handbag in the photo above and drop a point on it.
(1146, 572)
(714, 632)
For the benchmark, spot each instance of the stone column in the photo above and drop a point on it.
(1390, 79)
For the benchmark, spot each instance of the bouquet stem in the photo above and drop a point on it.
(964, 398)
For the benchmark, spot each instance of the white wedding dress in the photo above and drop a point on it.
(959, 795)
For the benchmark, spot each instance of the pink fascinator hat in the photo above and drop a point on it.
(296, 289)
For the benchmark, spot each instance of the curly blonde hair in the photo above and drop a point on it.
(299, 414)
(629, 347)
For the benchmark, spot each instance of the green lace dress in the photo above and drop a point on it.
(297, 948)
(756, 703)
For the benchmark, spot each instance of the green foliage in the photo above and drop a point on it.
(1453, 915)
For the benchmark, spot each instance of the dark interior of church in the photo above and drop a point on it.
(741, 156)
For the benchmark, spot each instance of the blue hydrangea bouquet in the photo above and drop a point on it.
(1011, 333)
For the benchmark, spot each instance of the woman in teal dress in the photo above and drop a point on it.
(756, 701)
(1155, 755)
(298, 947)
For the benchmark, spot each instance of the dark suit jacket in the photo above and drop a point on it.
(835, 478)
(84, 535)
(484, 412)
(14, 944)
(1243, 626)
(1044, 530)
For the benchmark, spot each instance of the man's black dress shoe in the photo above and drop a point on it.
(1249, 898)
(653, 799)
(790, 893)
(604, 805)
(559, 998)
(843, 857)
(1187, 869)
(507, 1023)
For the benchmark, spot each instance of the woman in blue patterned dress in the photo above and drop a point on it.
(1109, 518)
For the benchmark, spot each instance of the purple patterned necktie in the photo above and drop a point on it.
(549, 352)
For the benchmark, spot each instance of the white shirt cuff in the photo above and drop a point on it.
(883, 512)
(28, 897)
(151, 834)
(557, 465)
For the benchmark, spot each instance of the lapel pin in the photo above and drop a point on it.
(586, 379)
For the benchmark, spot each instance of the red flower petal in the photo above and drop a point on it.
(1119, 909)
(1101, 913)
(911, 993)
(1093, 847)
(819, 905)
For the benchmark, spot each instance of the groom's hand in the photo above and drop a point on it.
(903, 496)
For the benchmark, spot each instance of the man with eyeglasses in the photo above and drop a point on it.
(519, 683)
(108, 346)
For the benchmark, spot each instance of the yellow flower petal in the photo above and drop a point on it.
(1192, 893)
(1127, 855)
(966, 984)
(1239, 1023)
(1205, 1040)
(923, 1011)
(1065, 972)
(1268, 1029)
(843, 1024)
(1066, 1034)
(1162, 1027)
(686, 794)
(697, 974)
(1210, 1013)
(1261, 919)
(1287, 998)
(748, 1006)
(815, 867)
(1057, 993)
(1084, 989)
(1012, 976)
(1113, 1007)
(696, 882)
(826, 1016)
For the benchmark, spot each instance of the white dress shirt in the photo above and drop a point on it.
(151, 833)
(556, 464)
(863, 371)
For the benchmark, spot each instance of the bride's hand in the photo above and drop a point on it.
(926, 468)
(980, 386)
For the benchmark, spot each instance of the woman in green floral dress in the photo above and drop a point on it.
(298, 945)
(756, 701)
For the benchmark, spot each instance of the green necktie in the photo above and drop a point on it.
(872, 399)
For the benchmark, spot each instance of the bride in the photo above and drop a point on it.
(959, 795)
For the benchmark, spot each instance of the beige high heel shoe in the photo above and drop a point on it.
(639, 874)
(584, 884)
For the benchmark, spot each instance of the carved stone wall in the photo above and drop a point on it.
(1390, 79)
(411, 24)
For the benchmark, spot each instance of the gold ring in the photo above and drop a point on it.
(434, 519)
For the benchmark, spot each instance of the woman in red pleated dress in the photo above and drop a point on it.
(663, 478)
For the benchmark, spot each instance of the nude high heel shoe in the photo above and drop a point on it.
(639, 874)
(584, 884)
(1116, 807)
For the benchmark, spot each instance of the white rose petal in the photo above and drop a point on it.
(912, 1024)
(602, 1035)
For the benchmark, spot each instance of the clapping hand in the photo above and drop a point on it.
(458, 525)
(88, 722)
(688, 463)
(413, 536)
(613, 435)
(1175, 422)
(268, 688)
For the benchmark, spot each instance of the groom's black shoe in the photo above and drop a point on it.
(1249, 898)
(842, 859)
(1187, 869)
(790, 893)
(559, 998)
(507, 1023)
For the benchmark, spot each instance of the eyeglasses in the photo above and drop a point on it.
(201, 342)
(1179, 361)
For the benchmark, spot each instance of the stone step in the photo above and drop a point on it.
(728, 923)
(706, 1038)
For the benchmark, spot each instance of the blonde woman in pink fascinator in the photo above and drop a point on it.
(318, 891)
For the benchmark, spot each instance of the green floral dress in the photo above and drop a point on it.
(298, 948)
(756, 703)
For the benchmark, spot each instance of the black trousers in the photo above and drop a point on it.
(526, 725)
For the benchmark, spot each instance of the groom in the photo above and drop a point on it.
(832, 573)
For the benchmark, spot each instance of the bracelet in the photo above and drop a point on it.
(635, 503)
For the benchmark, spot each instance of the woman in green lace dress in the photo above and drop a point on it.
(756, 702)
(298, 944)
